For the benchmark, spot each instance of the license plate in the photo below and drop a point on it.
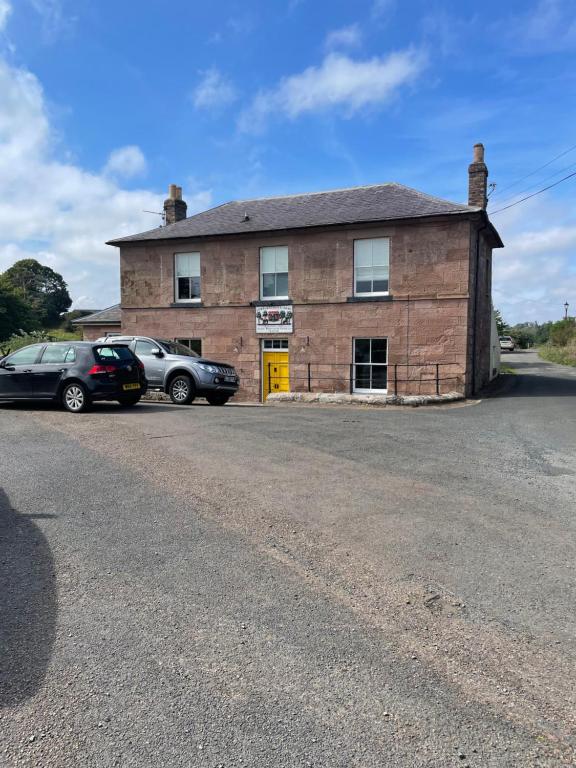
(131, 386)
(230, 378)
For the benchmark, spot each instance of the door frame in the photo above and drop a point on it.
(286, 349)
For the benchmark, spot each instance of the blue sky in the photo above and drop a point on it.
(102, 105)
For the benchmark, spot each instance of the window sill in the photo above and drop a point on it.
(371, 297)
(270, 302)
(186, 304)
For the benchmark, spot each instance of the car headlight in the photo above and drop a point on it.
(209, 368)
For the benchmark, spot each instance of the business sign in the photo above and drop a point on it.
(274, 319)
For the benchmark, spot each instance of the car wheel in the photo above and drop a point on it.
(127, 402)
(217, 399)
(75, 398)
(181, 390)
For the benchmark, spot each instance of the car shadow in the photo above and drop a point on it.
(28, 604)
(151, 406)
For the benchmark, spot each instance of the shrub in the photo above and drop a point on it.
(562, 332)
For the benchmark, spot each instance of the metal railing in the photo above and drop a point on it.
(426, 374)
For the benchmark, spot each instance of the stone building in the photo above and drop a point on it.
(369, 289)
(104, 322)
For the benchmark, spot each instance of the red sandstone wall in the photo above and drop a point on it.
(93, 332)
(323, 336)
(426, 259)
(425, 322)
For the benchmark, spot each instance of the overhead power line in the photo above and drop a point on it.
(540, 168)
(570, 175)
(537, 183)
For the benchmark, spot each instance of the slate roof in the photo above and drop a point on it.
(380, 202)
(109, 316)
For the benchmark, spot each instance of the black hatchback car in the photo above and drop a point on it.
(74, 373)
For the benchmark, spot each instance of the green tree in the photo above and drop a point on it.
(14, 314)
(563, 331)
(43, 290)
(500, 324)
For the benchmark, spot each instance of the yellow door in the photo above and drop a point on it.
(276, 372)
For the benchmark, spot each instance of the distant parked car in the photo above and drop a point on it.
(180, 372)
(507, 343)
(73, 373)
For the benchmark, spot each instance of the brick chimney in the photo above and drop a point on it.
(174, 206)
(478, 179)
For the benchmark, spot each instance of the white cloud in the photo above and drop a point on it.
(5, 11)
(126, 161)
(381, 8)
(345, 37)
(338, 82)
(214, 91)
(56, 211)
(56, 21)
(549, 27)
(535, 273)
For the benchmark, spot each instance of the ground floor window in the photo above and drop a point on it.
(194, 344)
(370, 365)
(275, 344)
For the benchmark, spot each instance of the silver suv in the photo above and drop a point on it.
(173, 368)
(507, 343)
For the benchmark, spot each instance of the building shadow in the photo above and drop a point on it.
(539, 385)
(28, 604)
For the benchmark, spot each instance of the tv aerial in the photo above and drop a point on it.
(158, 213)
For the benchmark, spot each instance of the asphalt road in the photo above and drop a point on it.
(291, 585)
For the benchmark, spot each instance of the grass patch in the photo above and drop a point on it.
(58, 334)
(507, 369)
(562, 355)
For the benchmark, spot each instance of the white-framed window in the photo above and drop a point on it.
(187, 276)
(274, 344)
(371, 266)
(274, 272)
(371, 365)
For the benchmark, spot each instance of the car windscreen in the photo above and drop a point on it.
(175, 348)
(112, 354)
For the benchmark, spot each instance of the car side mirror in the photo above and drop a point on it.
(157, 352)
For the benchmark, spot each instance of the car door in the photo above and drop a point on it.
(154, 366)
(48, 372)
(16, 372)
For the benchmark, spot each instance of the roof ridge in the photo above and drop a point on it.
(435, 197)
(98, 312)
(311, 194)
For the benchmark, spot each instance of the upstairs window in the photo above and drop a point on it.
(371, 266)
(187, 276)
(274, 272)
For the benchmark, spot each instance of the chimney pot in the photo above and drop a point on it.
(478, 153)
(478, 179)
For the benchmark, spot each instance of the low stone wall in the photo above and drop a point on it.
(345, 399)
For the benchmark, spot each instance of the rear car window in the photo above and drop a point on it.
(110, 353)
(55, 355)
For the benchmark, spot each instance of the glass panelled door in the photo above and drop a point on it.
(371, 365)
